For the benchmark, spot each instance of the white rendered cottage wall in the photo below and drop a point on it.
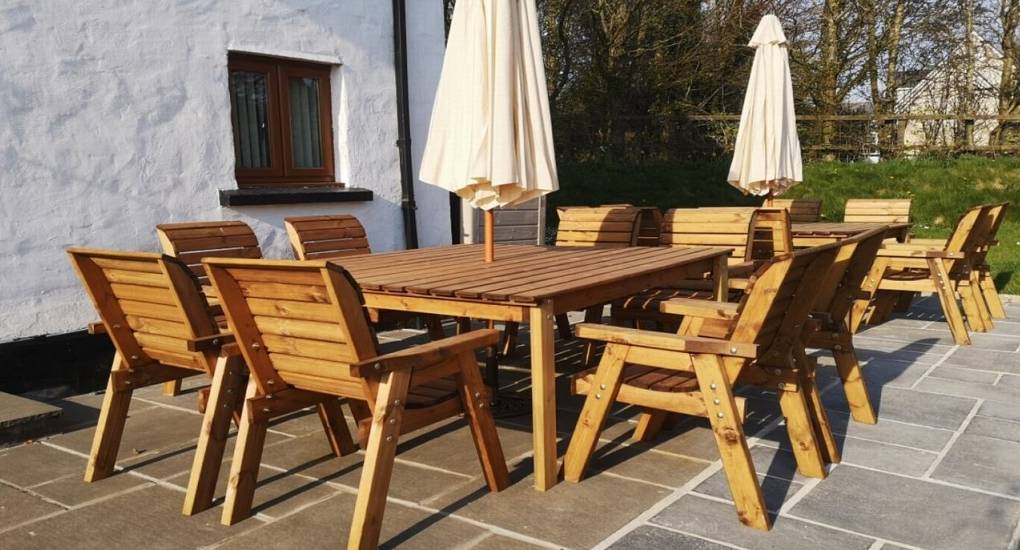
(114, 116)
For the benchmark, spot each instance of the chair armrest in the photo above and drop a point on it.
(665, 341)
(908, 252)
(428, 354)
(705, 309)
(940, 243)
(97, 327)
(212, 342)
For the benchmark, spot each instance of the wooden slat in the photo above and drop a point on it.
(303, 347)
(155, 295)
(299, 328)
(294, 310)
(297, 293)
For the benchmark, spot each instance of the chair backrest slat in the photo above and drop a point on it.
(150, 305)
(298, 323)
(877, 211)
(192, 241)
(730, 227)
(801, 210)
(326, 237)
(612, 226)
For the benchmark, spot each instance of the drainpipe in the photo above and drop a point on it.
(407, 204)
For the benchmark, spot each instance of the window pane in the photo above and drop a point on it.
(250, 110)
(306, 142)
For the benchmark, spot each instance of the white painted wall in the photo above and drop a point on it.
(115, 117)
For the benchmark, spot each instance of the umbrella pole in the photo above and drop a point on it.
(490, 246)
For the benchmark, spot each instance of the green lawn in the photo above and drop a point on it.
(942, 190)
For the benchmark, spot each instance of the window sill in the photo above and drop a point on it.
(292, 195)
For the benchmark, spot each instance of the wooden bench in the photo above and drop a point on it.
(302, 332)
(942, 270)
(877, 211)
(801, 210)
(152, 309)
(694, 373)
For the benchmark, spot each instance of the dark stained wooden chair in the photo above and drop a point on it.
(302, 330)
(695, 374)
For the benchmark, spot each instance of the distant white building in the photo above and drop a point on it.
(940, 92)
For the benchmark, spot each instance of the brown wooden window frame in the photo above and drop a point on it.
(282, 171)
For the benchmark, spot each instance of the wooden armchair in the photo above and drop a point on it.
(944, 271)
(305, 338)
(801, 210)
(694, 374)
(981, 270)
(877, 211)
(152, 310)
(192, 241)
(338, 236)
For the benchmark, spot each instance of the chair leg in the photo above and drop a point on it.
(882, 307)
(109, 429)
(378, 465)
(650, 423)
(563, 327)
(172, 388)
(595, 411)
(991, 295)
(509, 339)
(483, 427)
(463, 325)
(950, 308)
(974, 288)
(970, 307)
(224, 393)
(244, 468)
(333, 423)
(801, 430)
(727, 427)
(434, 325)
(853, 385)
(820, 419)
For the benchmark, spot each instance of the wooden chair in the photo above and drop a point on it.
(609, 226)
(754, 234)
(694, 374)
(335, 237)
(326, 237)
(152, 309)
(944, 271)
(877, 211)
(996, 213)
(192, 241)
(801, 210)
(302, 330)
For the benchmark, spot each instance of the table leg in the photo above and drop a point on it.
(720, 276)
(543, 395)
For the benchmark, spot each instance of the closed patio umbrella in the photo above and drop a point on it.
(490, 139)
(766, 157)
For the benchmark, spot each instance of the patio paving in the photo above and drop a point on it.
(939, 471)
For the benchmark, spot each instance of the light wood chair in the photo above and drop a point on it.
(877, 211)
(305, 338)
(192, 241)
(152, 310)
(695, 374)
(801, 210)
(608, 226)
(944, 271)
(335, 237)
(996, 213)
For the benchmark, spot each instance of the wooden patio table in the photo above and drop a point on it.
(818, 233)
(527, 284)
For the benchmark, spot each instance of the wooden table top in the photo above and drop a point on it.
(840, 228)
(521, 274)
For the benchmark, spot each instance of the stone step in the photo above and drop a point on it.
(22, 418)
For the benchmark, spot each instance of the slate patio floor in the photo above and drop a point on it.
(941, 470)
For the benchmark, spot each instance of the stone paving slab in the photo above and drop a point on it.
(939, 470)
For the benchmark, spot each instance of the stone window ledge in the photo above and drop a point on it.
(252, 196)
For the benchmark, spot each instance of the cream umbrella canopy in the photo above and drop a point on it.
(766, 157)
(490, 139)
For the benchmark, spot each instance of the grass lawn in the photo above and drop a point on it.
(942, 189)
